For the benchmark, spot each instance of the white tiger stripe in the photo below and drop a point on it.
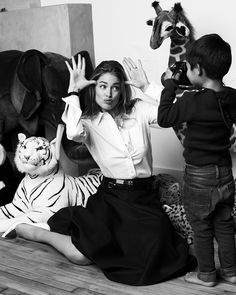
(36, 199)
(46, 188)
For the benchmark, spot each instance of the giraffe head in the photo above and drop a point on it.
(170, 23)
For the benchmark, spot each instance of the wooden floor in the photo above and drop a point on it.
(37, 269)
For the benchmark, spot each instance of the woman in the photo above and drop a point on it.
(123, 229)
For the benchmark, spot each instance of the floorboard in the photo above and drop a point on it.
(38, 269)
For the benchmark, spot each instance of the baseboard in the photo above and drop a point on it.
(174, 172)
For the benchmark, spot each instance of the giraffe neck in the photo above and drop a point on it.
(177, 50)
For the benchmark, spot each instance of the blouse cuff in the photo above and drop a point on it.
(154, 90)
(72, 112)
(72, 100)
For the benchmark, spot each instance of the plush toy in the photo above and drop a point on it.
(45, 187)
(170, 194)
(174, 24)
(31, 88)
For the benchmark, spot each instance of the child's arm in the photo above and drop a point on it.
(171, 113)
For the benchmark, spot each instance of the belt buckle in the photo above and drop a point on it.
(125, 182)
(111, 184)
(120, 181)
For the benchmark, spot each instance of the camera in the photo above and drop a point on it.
(180, 68)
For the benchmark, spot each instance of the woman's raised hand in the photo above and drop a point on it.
(78, 80)
(137, 75)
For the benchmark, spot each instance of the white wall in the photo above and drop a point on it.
(120, 30)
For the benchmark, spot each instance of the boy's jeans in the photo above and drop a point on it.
(208, 200)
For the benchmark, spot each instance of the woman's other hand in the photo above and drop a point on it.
(136, 73)
(77, 75)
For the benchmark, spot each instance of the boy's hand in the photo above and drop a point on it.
(136, 73)
(169, 75)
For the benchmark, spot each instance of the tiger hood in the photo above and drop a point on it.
(35, 155)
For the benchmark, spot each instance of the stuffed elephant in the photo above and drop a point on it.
(31, 88)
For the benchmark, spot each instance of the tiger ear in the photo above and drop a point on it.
(21, 137)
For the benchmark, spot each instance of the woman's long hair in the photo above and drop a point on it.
(125, 103)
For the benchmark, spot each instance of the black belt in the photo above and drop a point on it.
(137, 183)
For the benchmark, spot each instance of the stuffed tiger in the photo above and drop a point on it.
(45, 188)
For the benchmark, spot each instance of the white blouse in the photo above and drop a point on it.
(123, 150)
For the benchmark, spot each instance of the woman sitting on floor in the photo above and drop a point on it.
(123, 229)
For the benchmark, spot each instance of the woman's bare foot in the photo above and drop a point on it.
(41, 233)
(33, 232)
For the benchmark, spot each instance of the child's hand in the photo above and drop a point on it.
(136, 74)
(168, 74)
(77, 75)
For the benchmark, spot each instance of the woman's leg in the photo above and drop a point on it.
(60, 242)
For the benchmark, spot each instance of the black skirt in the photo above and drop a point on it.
(125, 232)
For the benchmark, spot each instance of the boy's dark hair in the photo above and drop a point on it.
(212, 54)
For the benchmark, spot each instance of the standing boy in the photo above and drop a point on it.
(209, 189)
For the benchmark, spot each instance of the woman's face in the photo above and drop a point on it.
(108, 91)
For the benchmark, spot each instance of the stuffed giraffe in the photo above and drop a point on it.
(175, 25)
(171, 24)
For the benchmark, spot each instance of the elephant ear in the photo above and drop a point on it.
(26, 89)
(54, 85)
